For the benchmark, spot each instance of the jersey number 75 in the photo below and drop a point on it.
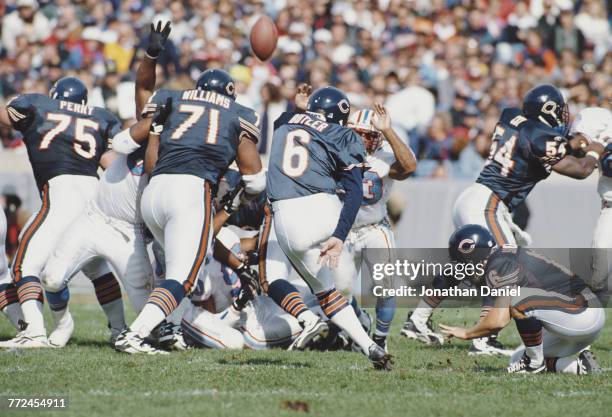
(81, 136)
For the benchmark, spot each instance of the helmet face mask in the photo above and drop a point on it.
(371, 139)
(546, 104)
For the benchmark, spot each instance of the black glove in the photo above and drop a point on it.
(158, 37)
(232, 199)
(249, 278)
(249, 283)
(159, 117)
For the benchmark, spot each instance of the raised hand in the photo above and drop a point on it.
(160, 30)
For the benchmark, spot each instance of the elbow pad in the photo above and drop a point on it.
(255, 183)
(123, 142)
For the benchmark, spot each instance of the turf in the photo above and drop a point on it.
(426, 381)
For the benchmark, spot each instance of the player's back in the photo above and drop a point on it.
(62, 137)
(533, 272)
(522, 153)
(202, 133)
(307, 155)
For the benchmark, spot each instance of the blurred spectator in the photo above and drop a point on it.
(445, 69)
(26, 22)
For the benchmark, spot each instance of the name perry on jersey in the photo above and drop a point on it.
(306, 120)
(76, 108)
(207, 96)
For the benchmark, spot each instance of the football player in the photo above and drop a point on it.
(177, 204)
(388, 159)
(311, 151)
(556, 314)
(597, 122)
(65, 140)
(218, 318)
(111, 227)
(8, 293)
(527, 145)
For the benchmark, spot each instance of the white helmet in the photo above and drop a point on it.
(361, 122)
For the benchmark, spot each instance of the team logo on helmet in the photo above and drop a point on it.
(550, 107)
(230, 88)
(466, 246)
(344, 106)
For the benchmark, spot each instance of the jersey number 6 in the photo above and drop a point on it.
(81, 136)
(295, 156)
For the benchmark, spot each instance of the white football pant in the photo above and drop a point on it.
(602, 255)
(178, 211)
(93, 235)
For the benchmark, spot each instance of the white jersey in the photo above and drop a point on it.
(121, 187)
(376, 186)
(596, 122)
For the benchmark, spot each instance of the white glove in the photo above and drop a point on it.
(591, 122)
(605, 136)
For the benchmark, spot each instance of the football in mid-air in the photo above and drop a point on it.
(263, 38)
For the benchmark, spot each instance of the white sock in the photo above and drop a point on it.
(13, 312)
(33, 315)
(422, 312)
(60, 316)
(567, 365)
(348, 321)
(307, 316)
(114, 314)
(535, 353)
(177, 314)
(149, 317)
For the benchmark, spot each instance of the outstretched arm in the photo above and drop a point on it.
(580, 168)
(405, 161)
(4, 117)
(145, 74)
(497, 319)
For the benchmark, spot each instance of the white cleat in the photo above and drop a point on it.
(423, 332)
(488, 346)
(23, 340)
(60, 336)
(313, 330)
(129, 342)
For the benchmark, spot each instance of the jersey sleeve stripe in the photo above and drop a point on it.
(248, 125)
(250, 130)
(14, 114)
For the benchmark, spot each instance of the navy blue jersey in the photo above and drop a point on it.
(308, 154)
(522, 153)
(62, 137)
(530, 270)
(202, 133)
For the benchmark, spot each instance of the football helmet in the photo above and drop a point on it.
(361, 122)
(471, 243)
(218, 81)
(69, 89)
(331, 103)
(546, 104)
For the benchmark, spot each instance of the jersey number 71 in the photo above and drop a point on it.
(195, 113)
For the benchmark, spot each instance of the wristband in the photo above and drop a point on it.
(594, 155)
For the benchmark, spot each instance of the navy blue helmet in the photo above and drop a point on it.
(546, 104)
(218, 81)
(69, 89)
(331, 103)
(471, 243)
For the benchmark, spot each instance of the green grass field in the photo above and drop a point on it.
(426, 381)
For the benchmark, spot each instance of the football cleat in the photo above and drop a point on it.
(312, 332)
(488, 346)
(379, 358)
(422, 332)
(60, 336)
(524, 366)
(115, 334)
(23, 340)
(129, 342)
(587, 364)
(381, 341)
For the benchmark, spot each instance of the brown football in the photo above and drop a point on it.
(263, 38)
